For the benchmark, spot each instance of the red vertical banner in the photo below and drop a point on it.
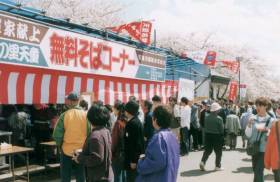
(233, 91)
(210, 58)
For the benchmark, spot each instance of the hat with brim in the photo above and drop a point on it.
(215, 107)
(73, 96)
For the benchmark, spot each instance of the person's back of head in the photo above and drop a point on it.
(109, 107)
(98, 102)
(132, 109)
(148, 105)
(84, 104)
(162, 117)
(98, 115)
(119, 106)
(132, 98)
(73, 99)
(185, 100)
(156, 98)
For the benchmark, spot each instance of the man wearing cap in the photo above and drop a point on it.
(214, 131)
(70, 134)
(133, 140)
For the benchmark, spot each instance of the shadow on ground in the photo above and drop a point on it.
(241, 150)
(247, 160)
(269, 177)
(195, 172)
(246, 170)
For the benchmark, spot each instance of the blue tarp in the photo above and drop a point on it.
(177, 67)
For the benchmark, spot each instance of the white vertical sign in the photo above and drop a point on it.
(186, 89)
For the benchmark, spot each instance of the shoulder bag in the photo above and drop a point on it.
(254, 147)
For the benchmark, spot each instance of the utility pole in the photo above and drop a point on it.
(155, 38)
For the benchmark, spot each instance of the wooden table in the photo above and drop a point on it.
(48, 145)
(9, 135)
(15, 150)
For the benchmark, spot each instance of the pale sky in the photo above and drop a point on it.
(255, 23)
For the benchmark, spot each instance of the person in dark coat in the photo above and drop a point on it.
(214, 130)
(148, 123)
(133, 140)
(194, 127)
(223, 113)
(203, 113)
(96, 154)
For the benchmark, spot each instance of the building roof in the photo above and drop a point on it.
(219, 78)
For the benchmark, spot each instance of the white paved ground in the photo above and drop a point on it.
(236, 163)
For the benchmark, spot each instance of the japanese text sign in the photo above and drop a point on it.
(233, 90)
(140, 31)
(33, 44)
(232, 65)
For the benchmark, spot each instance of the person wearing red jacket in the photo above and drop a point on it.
(271, 157)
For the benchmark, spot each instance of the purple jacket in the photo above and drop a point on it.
(161, 160)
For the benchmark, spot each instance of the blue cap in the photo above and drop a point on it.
(73, 96)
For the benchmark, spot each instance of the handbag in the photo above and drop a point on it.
(175, 122)
(254, 147)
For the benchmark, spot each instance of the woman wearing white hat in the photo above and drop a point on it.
(214, 131)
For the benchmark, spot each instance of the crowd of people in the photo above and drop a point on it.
(257, 124)
(143, 140)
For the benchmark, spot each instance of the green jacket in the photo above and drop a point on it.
(59, 130)
(214, 124)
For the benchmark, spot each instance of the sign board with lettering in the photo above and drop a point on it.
(243, 90)
(186, 89)
(27, 43)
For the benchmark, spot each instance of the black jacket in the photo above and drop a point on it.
(223, 114)
(202, 118)
(133, 141)
(148, 126)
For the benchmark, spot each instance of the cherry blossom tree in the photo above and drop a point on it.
(96, 13)
(254, 73)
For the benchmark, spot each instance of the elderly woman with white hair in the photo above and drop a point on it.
(214, 131)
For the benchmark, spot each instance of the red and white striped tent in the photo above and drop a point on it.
(41, 63)
(29, 85)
